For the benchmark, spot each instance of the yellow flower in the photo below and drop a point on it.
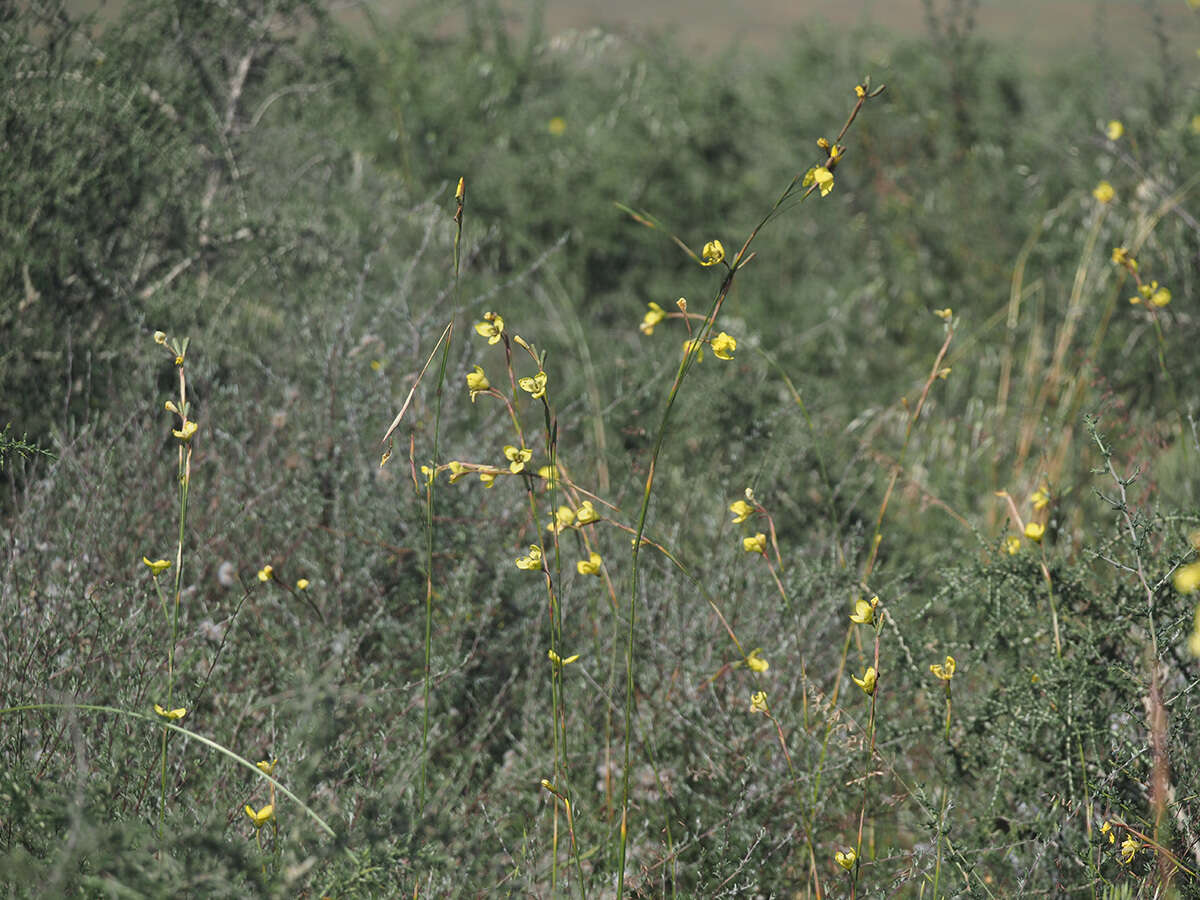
(1041, 497)
(428, 473)
(185, 433)
(488, 479)
(591, 565)
(713, 253)
(172, 715)
(491, 327)
(158, 566)
(1115, 129)
(160, 337)
(756, 544)
(517, 457)
(755, 662)
(535, 386)
(758, 702)
(652, 318)
(302, 584)
(689, 346)
(587, 513)
(564, 517)
(822, 177)
(1012, 544)
(170, 407)
(864, 611)
(723, 346)
(945, 314)
(376, 365)
(533, 560)
(944, 373)
(860, 91)
(1129, 849)
(267, 767)
(262, 817)
(558, 660)
(556, 126)
(944, 671)
(457, 470)
(741, 511)
(1034, 531)
(1107, 829)
(846, 860)
(867, 682)
(1160, 297)
(550, 475)
(1104, 192)
(477, 382)
(1187, 578)
(1121, 257)
(266, 573)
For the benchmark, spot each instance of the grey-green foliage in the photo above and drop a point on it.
(313, 281)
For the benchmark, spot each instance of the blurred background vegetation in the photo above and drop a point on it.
(276, 181)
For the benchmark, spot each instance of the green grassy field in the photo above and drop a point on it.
(771, 470)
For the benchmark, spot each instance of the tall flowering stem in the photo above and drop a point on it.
(802, 186)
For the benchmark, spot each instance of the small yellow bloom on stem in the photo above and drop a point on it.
(944, 373)
(867, 682)
(944, 671)
(1104, 192)
(1129, 849)
(1160, 297)
(587, 513)
(846, 860)
(694, 346)
(1187, 578)
(261, 817)
(564, 518)
(1107, 829)
(1114, 130)
(741, 511)
(477, 382)
(1012, 544)
(429, 474)
(1121, 257)
(1035, 531)
(491, 327)
(864, 611)
(559, 661)
(457, 470)
(266, 573)
(823, 143)
(267, 767)
(713, 253)
(160, 337)
(535, 386)
(755, 662)
(652, 318)
(170, 407)
(533, 560)
(302, 584)
(756, 544)
(1040, 498)
(517, 457)
(822, 177)
(723, 346)
(158, 566)
(488, 479)
(171, 715)
(758, 702)
(860, 91)
(944, 314)
(591, 565)
(186, 432)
